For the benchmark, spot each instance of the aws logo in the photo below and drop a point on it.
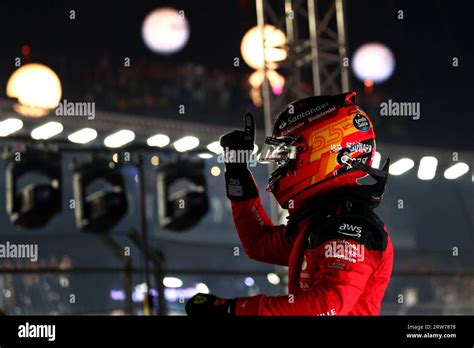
(350, 230)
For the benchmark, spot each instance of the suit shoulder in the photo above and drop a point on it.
(365, 228)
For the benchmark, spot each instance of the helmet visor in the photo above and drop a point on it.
(279, 150)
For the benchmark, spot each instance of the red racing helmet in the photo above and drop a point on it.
(320, 144)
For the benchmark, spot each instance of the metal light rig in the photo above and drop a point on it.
(317, 62)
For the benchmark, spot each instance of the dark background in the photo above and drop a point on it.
(424, 43)
(88, 52)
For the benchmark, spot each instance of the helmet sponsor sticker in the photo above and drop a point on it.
(361, 122)
(359, 147)
(363, 147)
(303, 114)
(315, 113)
(361, 159)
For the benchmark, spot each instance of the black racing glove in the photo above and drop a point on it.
(238, 146)
(206, 305)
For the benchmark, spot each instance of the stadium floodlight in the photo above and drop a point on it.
(158, 140)
(273, 278)
(401, 166)
(202, 288)
(186, 143)
(119, 139)
(172, 282)
(427, 168)
(373, 63)
(215, 147)
(456, 171)
(205, 155)
(100, 210)
(249, 281)
(83, 136)
(10, 126)
(34, 205)
(215, 171)
(277, 81)
(37, 89)
(47, 130)
(376, 161)
(165, 30)
(256, 49)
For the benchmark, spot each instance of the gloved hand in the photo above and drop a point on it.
(206, 305)
(238, 146)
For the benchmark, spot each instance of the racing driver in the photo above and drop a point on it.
(338, 252)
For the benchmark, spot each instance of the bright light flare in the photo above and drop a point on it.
(172, 282)
(427, 168)
(186, 143)
(401, 166)
(119, 138)
(10, 126)
(165, 30)
(252, 49)
(47, 130)
(373, 62)
(273, 278)
(158, 140)
(202, 288)
(83, 136)
(215, 147)
(36, 87)
(456, 171)
(215, 171)
(376, 160)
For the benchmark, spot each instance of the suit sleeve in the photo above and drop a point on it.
(262, 241)
(340, 279)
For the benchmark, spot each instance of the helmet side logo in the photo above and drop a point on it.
(361, 122)
(282, 125)
(319, 110)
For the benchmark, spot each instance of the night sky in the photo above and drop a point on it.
(424, 43)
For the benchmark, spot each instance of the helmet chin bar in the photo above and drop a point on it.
(275, 177)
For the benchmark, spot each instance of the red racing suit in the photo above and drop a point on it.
(339, 262)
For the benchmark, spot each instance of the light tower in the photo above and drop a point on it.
(317, 61)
